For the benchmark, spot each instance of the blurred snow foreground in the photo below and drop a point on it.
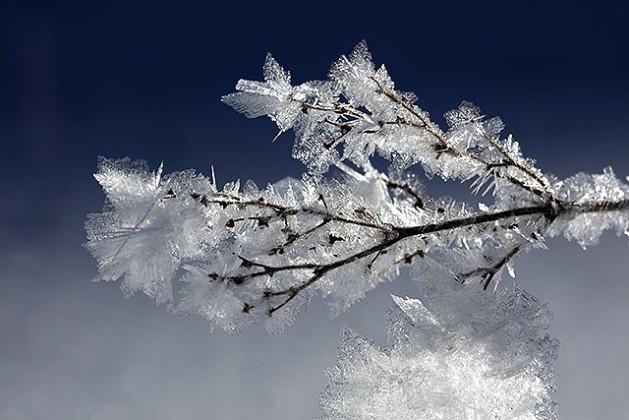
(469, 349)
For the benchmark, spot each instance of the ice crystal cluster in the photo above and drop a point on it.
(464, 354)
(247, 254)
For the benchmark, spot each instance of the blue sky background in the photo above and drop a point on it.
(144, 79)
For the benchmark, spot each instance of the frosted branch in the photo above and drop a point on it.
(249, 255)
(268, 251)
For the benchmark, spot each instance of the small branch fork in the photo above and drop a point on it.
(487, 274)
(351, 116)
(446, 146)
(401, 234)
(282, 212)
(391, 236)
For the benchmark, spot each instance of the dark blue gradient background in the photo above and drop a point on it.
(82, 79)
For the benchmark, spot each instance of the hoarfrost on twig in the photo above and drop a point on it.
(468, 349)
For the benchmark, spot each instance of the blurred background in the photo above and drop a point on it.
(144, 80)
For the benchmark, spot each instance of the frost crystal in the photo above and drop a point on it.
(275, 97)
(601, 191)
(469, 355)
(145, 232)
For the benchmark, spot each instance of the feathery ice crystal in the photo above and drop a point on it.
(469, 348)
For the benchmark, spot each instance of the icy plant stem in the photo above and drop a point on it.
(549, 211)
